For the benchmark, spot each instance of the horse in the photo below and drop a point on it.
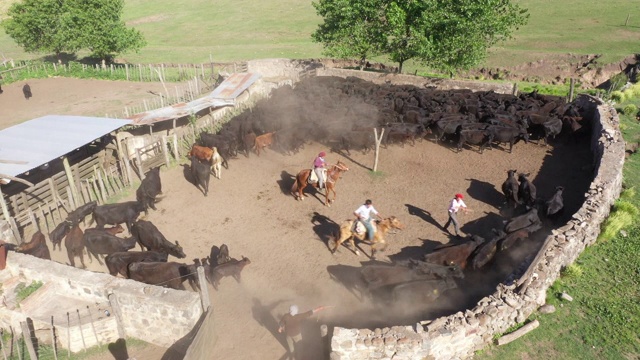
(381, 228)
(333, 174)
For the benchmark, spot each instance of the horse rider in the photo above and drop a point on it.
(318, 167)
(363, 214)
(454, 206)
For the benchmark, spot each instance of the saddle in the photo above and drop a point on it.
(360, 229)
(313, 178)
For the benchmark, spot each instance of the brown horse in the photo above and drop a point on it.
(381, 228)
(333, 174)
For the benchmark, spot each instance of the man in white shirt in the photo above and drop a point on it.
(363, 213)
(454, 206)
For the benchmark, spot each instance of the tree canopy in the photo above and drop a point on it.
(442, 34)
(57, 26)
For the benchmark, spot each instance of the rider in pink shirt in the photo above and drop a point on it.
(318, 167)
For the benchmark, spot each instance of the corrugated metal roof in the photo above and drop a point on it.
(36, 142)
(223, 95)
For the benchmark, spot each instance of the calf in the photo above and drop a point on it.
(454, 255)
(114, 214)
(81, 212)
(231, 268)
(219, 255)
(167, 274)
(510, 188)
(519, 222)
(102, 242)
(552, 128)
(226, 146)
(503, 134)
(26, 91)
(59, 233)
(36, 247)
(75, 245)
(476, 137)
(118, 262)
(486, 251)
(203, 153)
(248, 140)
(263, 141)
(555, 205)
(216, 163)
(201, 173)
(149, 188)
(526, 190)
(149, 237)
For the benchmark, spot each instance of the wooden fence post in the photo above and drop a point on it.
(26, 334)
(175, 147)
(204, 290)
(70, 178)
(378, 140)
(165, 150)
(4, 352)
(113, 301)
(84, 345)
(572, 83)
(53, 339)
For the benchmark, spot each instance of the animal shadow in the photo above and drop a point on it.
(485, 192)
(118, 349)
(424, 215)
(414, 252)
(324, 227)
(286, 182)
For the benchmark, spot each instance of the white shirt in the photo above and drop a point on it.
(456, 204)
(365, 211)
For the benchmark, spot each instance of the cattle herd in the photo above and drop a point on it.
(341, 114)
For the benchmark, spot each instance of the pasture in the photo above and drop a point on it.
(243, 30)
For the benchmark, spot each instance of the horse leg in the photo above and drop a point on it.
(352, 244)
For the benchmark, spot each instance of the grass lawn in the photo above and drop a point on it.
(193, 31)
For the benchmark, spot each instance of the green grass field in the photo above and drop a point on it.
(193, 31)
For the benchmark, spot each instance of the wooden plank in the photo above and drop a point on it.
(518, 333)
(97, 191)
(103, 190)
(74, 190)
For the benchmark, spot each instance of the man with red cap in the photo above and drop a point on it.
(318, 168)
(455, 205)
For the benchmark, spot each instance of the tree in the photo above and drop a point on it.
(71, 25)
(351, 28)
(97, 25)
(38, 26)
(443, 34)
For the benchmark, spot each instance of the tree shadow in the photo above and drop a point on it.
(324, 227)
(485, 192)
(424, 215)
(262, 314)
(118, 349)
(348, 157)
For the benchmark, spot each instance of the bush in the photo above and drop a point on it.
(628, 94)
(624, 214)
(617, 81)
(23, 291)
(617, 96)
(630, 109)
(571, 272)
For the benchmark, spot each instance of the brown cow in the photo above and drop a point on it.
(231, 268)
(456, 254)
(167, 274)
(263, 141)
(36, 247)
(75, 245)
(201, 152)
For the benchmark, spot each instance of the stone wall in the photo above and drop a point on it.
(461, 334)
(150, 313)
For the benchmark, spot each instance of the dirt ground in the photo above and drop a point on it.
(250, 209)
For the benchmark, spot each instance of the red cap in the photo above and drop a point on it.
(322, 154)
(459, 196)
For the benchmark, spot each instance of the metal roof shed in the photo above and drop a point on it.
(36, 142)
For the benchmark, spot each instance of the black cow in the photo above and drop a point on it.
(526, 190)
(219, 255)
(227, 146)
(149, 188)
(26, 91)
(476, 137)
(149, 237)
(59, 233)
(510, 188)
(552, 128)
(118, 262)
(555, 205)
(201, 173)
(167, 274)
(81, 212)
(503, 134)
(114, 214)
(101, 242)
(519, 222)
(487, 251)
(231, 268)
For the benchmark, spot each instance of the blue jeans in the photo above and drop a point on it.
(367, 224)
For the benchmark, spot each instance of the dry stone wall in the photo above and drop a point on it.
(459, 335)
(150, 313)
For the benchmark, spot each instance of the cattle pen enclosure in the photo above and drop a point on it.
(427, 174)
